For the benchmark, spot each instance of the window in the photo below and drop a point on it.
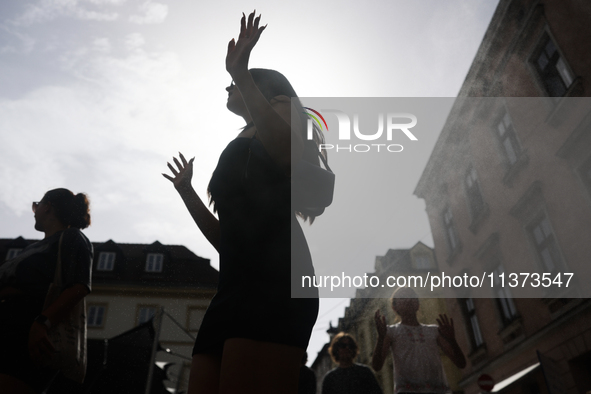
(475, 334)
(450, 231)
(545, 244)
(508, 139)
(145, 313)
(552, 68)
(154, 262)
(106, 261)
(422, 262)
(475, 200)
(504, 298)
(12, 253)
(96, 315)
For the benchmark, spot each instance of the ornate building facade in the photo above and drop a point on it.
(508, 190)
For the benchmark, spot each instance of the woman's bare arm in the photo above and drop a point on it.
(39, 344)
(272, 120)
(205, 220)
(383, 343)
(447, 341)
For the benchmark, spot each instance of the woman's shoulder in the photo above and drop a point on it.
(433, 329)
(75, 237)
(361, 367)
(332, 374)
(73, 232)
(430, 327)
(280, 99)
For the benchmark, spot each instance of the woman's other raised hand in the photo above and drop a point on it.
(239, 51)
(182, 174)
(380, 321)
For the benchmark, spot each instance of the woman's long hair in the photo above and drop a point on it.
(272, 83)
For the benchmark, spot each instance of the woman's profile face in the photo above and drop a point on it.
(235, 102)
(40, 211)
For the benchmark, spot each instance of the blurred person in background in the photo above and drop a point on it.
(24, 282)
(415, 347)
(348, 377)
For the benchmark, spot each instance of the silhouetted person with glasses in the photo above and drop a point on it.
(24, 282)
(349, 377)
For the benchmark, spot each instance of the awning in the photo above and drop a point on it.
(504, 383)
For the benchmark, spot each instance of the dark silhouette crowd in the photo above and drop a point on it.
(254, 335)
(256, 232)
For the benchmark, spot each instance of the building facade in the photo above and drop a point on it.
(508, 191)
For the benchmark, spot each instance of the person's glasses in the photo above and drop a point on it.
(36, 205)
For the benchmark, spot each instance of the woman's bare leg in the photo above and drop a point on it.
(205, 374)
(257, 367)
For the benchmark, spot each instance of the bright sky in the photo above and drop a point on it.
(97, 95)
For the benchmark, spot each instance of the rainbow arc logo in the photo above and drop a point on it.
(315, 118)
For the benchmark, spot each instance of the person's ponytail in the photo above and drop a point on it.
(72, 210)
(80, 212)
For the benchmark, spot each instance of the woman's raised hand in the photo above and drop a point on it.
(446, 328)
(380, 324)
(182, 176)
(239, 51)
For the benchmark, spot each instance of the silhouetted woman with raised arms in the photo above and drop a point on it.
(254, 334)
(24, 282)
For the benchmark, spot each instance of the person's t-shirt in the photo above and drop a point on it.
(34, 268)
(356, 379)
(417, 362)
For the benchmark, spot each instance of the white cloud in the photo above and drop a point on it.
(87, 132)
(102, 44)
(134, 41)
(111, 2)
(94, 15)
(151, 13)
(19, 42)
(46, 10)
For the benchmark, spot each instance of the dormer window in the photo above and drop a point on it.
(96, 316)
(154, 262)
(423, 261)
(106, 261)
(145, 313)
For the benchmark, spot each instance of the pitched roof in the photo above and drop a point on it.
(180, 266)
